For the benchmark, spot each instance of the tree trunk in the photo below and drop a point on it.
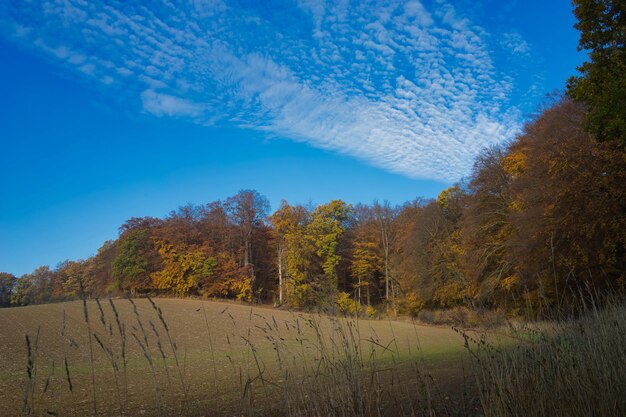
(247, 248)
(280, 275)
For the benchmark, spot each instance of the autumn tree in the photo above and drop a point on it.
(328, 224)
(602, 80)
(409, 258)
(486, 228)
(302, 266)
(571, 228)
(72, 280)
(98, 269)
(426, 254)
(228, 280)
(265, 281)
(183, 226)
(385, 215)
(283, 222)
(183, 269)
(447, 283)
(367, 260)
(33, 288)
(25, 291)
(248, 210)
(135, 223)
(7, 282)
(219, 233)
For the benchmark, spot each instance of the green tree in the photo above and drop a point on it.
(7, 282)
(602, 83)
(131, 267)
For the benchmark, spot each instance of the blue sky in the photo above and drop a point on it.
(117, 109)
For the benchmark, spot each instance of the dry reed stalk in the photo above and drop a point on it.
(27, 399)
(571, 367)
(109, 353)
(160, 349)
(91, 357)
(173, 347)
(122, 334)
(148, 356)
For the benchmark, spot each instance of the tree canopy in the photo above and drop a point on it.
(602, 80)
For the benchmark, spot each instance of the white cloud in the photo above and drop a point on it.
(515, 43)
(166, 105)
(407, 89)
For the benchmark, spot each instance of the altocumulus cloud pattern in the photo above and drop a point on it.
(405, 88)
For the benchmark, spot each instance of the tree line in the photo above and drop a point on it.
(539, 221)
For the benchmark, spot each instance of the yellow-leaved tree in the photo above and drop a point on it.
(183, 268)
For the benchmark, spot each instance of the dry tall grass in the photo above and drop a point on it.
(339, 372)
(569, 367)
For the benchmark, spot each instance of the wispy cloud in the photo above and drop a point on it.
(514, 42)
(405, 88)
(166, 105)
